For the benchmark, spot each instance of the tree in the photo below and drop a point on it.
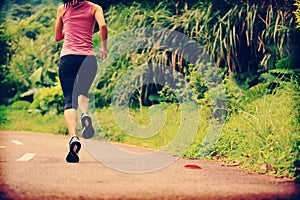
(33, 52)
(4, 43)
(21, 12)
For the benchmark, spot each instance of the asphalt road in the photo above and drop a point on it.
(33, 167)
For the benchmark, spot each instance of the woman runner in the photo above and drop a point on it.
(78, 66)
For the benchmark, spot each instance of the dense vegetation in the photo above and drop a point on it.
(254, 47)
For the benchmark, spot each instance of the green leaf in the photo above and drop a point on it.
(285, 71)
(36, 76)
(29, 92)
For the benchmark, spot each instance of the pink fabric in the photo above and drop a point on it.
(79, 25)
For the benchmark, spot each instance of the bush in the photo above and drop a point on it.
(3, 118)
(49, 99)
(20, 105)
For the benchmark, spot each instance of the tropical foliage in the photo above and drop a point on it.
(245, 40)
(297, 13)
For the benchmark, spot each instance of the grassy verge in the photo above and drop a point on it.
(21, 120)
(160, 138)
(263, 136)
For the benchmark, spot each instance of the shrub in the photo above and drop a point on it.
(49, 99)
(3, 118)
(20, 105)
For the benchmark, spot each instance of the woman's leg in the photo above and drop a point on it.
(86, 76)
(71, 120)
(83, 103)
(68, 69)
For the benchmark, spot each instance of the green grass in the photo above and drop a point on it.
(264, 135)
(21, 120)
(161, 137)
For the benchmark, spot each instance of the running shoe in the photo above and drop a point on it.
(88, 130)
(75, 147)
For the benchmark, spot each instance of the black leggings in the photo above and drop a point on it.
(76, 74)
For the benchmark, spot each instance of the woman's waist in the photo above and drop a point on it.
(77, 45)
(77, 50)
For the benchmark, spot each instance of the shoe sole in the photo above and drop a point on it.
(72, 156)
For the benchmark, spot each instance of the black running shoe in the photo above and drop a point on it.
(88, 130)
(75, 147)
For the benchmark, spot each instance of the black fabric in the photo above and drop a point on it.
(76, 74)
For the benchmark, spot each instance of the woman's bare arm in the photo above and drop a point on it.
(59, 33)
(99, 16)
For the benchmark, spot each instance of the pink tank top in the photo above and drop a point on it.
(79, 25)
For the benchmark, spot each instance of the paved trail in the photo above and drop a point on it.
(33, 167)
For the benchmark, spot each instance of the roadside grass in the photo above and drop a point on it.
(262, 138)
(163, 134)
(21, 120)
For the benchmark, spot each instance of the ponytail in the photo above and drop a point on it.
(70, 2)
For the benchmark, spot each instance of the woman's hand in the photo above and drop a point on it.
(102, 54)
(99, 16)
